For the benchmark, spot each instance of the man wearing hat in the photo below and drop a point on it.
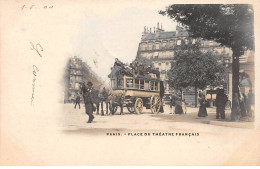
(221, 101)
(87, 92)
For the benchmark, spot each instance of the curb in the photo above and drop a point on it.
(248, 125)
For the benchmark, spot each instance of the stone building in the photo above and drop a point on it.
(159, 46)
(74, 76)
(77, 72)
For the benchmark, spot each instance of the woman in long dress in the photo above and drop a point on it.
(178, 107)
(202, 109)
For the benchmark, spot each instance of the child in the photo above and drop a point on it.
(183, 106)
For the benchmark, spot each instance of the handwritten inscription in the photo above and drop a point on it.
(32, 7)
(39, 50)
(35, 71)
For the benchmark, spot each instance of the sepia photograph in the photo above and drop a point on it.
(129, 83)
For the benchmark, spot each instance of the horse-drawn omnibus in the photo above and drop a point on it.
(135, 87)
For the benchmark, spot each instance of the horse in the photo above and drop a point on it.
(103, 97)
(116, 99)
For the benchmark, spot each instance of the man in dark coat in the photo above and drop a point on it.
(88, 99)
(161, 95)
(221, 101)
(77, 101)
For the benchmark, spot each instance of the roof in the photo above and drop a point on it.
(183, 33)
(164, 35)
(159, 35)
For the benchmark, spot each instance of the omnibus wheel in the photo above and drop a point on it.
(114, 109)
(155, 104)
(138, 106)
(130, 108)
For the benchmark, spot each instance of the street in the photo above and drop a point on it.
(221, 142)
(65, 138)
(75, 119)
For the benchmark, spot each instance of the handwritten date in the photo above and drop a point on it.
(32, 7)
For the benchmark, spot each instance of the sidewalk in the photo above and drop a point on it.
(192, 116)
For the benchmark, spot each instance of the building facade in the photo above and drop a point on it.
(73, 79)
(78, 72)
(159, 46)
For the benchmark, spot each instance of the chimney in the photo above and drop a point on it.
(150, 30)
(161, 25)
(158, 25)
(153, 29)
(144, 30)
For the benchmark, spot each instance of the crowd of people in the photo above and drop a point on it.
(244, 104)
(179, 103)
(93, 100)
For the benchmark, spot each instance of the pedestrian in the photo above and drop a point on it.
(242, 105)
(88, 99)
(250, 103)
(203, 109)
(178, 107)
(221, 101)
(77, 101)
(172, 104)
(245, 102)
(161, 96)
(183, 105)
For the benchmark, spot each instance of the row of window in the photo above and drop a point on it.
(164, 45)
(135, 84)
(166, 63)
(73, 71)
(157, 55)
(75, 86)
(75, 78)
(172, 43)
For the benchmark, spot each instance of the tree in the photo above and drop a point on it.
(193, 68)
(66, 80)
(230, 25)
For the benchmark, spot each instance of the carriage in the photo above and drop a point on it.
(135, 87)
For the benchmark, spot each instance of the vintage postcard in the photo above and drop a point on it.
(127, 83)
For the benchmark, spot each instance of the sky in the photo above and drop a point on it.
(103, 36)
